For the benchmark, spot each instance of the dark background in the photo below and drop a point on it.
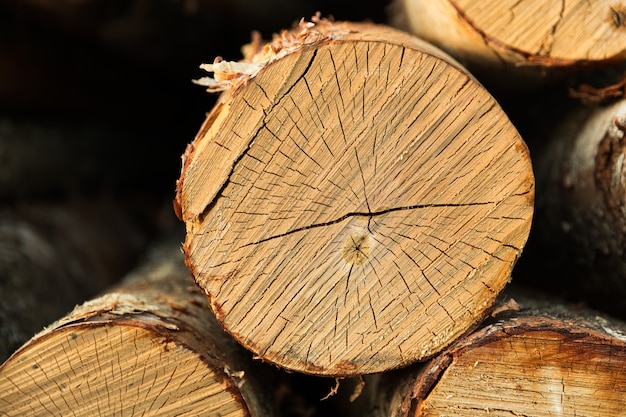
(125, 68)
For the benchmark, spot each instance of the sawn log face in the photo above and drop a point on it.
(356, 204)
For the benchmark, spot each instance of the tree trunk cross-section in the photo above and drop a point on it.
(150, 348)
(356, 203)
(545, 360)
(529, 36)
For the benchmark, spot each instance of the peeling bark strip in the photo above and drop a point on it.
(581, 210)
(531, 364)
(150, 348)
(522, 37)
(356, 203)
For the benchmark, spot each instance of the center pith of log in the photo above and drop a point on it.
(356, 204)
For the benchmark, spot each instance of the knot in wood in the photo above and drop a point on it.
(356, 249)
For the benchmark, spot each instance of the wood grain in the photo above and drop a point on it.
(150, 347)
(543, 360)
(530, 38)
(356, 203)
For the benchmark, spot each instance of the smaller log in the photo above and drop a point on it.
(540, 361)
(535, 40)
(53, 256)
(150, 347)
(581, 220)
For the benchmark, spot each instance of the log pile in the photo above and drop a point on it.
(355, 204)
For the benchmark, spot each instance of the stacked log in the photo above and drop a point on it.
(542, 360)
(53, 256)
(354, 205)
(509, 41)
(355, 201)
(148, 347)
(581, 208)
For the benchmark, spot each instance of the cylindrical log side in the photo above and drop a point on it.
(150, 347)
(354, 202)
(581, 221)
(544, 360)
(54, 256)
(533, 40)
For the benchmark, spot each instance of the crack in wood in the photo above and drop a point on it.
(547, 45)
(207, 209)
(372, 214)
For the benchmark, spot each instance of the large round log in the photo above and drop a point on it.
(354, 202)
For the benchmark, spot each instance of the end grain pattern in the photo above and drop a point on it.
(355, 203)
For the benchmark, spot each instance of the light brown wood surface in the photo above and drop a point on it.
(354, 202)
(531, 363)
(150, 348)
(515, 37)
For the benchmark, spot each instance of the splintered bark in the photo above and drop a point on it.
(546, 362)
(530, 38)
(354, 202)
(152, 347)
(581, 215)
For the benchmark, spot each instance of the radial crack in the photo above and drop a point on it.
(246, 150)
(370, 215)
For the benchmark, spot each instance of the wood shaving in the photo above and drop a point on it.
(227, 74)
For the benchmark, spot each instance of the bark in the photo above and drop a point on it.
(544, 360)
(55, 256)
(581, 220)
(149, 347)
(534, 40)
(354, 202)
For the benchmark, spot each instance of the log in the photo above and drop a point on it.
(541, 361)
(580, 209)
(354, 202)
(149, 347)
(53, 256)
(533, 40)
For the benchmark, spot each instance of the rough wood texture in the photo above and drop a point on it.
(150, 348)
(533, 38)
(546, 361)
(54, 256)
(354, 202)
(580, 207)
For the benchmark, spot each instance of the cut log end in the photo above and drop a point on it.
(526, 38)
(155, 374)
(355, 205)
(150, 348)
(575, 369)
